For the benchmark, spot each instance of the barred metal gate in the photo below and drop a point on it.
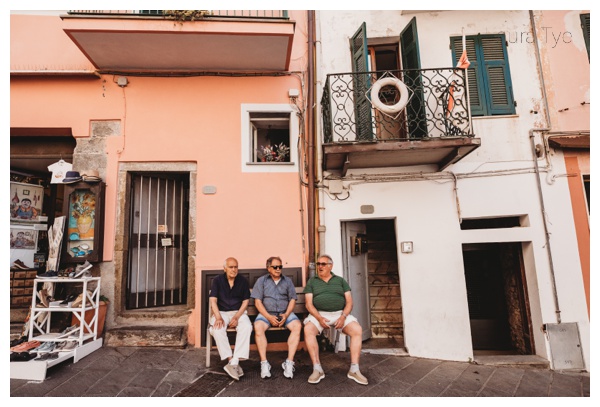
(158, 236)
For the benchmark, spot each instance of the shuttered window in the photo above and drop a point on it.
(490, 87)
(585, 26)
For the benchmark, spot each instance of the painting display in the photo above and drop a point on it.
(83, 209)
(21, 238)
(26, 201)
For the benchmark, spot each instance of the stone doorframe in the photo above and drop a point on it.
(173, 315)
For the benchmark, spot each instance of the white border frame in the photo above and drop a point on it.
(246, 134)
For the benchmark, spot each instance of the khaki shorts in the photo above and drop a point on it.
(332, 317)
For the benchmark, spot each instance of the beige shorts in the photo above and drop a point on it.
(332, 317)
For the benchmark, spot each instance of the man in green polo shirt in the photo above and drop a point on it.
(329, 302)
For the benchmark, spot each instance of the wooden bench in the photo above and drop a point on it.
(299, 310)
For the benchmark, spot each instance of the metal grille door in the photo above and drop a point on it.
(157, 266)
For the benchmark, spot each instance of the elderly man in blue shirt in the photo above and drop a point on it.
(275, 297)
(229, 298)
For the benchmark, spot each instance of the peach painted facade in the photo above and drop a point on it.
(567, 79)
(156, 122)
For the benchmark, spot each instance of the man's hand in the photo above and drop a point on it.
(233, 323)
(273, 320)
(324, 322)
(339, 323)
(219, 323)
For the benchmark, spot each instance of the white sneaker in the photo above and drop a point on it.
(265, 370)
(288, 369)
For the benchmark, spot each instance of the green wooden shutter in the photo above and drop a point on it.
(476, 85)
(415, 110)
(361, 82)
(497, 75)
(585, 25)
(490, 86)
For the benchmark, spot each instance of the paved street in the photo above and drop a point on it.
(166, 372)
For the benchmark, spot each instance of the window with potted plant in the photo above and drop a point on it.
(274, 153)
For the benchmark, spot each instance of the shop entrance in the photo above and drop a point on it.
(32, 152)
(497, 297)
(158, 237)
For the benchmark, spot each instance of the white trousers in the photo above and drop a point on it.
(242, 338)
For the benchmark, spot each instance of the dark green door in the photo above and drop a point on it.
(361, 82)
(411, 65)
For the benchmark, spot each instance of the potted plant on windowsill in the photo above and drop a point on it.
(273, 153)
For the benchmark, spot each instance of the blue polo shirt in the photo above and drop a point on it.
(275, 297)
(230, 298)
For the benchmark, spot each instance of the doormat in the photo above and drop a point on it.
(207, 385)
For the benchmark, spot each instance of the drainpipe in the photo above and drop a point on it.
(311, 199)
(537, 170)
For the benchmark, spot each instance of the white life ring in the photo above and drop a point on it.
(389, 109)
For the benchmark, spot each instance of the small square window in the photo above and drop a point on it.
(271, 128)
(270, 137)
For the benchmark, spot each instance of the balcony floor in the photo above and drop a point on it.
(340, 157)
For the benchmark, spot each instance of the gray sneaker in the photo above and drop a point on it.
(316, 377)
(288, 369)
(265, 369)
(358, 377)
(239, 370)
(231, 371)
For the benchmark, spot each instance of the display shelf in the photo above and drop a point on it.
(36, 369)
(86, 334)
(40, 316)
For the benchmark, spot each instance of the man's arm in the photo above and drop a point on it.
(219, 323)
(288, 311)
(346, 311)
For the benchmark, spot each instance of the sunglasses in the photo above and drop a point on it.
(322, 264)
(277, 267)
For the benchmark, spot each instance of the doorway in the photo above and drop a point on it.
(497, 296)
(371, 268)
(158, 238)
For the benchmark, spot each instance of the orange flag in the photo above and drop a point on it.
(463, 63)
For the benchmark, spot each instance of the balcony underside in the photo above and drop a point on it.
(159, 45)
(440, 152)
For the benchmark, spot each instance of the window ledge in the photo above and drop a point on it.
(269, 163)
(507, 116)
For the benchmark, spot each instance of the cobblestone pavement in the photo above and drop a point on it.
(166, 372)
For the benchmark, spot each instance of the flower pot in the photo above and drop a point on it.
(84, 223)
(89, 315)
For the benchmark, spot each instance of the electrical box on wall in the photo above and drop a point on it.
(358, 244)
(406, 247)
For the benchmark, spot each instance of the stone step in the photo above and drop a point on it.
(168, 336)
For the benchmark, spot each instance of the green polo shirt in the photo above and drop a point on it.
(328, 296)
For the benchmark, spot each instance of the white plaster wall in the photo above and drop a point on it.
(435, 309)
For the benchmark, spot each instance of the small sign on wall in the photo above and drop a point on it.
(406, 247)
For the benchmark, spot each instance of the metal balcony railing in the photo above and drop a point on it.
(437, 106)
(258, 14)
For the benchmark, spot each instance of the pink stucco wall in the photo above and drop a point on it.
(567, 72)
(197, 120)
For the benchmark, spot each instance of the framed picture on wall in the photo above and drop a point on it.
(84, 209)
(23, 238)
(26, 201)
